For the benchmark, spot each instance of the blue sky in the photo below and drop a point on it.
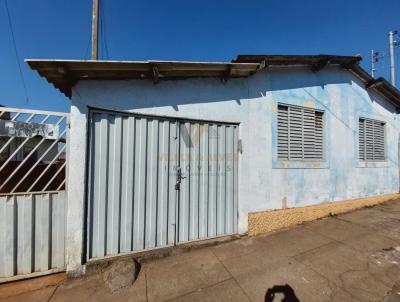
(207, 30)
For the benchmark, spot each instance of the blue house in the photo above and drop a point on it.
(164, 153)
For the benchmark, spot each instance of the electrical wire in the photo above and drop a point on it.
(86, 56)
(101, 31)
(16, 51)
(381, 62)
(105, 49)
(105, 35)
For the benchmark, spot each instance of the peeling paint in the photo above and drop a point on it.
(310, 104)
(284, 203)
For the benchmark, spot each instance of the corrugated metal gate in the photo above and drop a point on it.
(155, 182)
(32, 234)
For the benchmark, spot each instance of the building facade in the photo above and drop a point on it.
(159, 161)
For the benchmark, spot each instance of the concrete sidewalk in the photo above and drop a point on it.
(351, 257)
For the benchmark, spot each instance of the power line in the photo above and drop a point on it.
(105, 34)
(86, 56)
(103, 29)
(16, 51)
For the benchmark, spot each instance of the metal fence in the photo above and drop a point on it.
(32, 229)
(33, 163)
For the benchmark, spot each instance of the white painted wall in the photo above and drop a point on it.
(264, 182)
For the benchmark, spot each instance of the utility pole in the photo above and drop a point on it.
(95, 30)
(391, 50)
(372, 63)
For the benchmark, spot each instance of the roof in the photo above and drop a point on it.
(64, 74)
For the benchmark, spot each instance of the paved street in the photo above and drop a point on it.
(351, 257)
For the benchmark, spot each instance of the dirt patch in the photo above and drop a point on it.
(121, 274)
(389, 255)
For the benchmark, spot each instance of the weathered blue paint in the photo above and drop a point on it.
(264, 182)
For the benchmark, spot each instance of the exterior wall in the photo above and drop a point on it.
(264, 182)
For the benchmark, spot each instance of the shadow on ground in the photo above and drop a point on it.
(285, 293)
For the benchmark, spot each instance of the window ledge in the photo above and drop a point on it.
(373, 164)
(289, 164)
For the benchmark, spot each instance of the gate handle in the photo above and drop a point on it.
(179, 178)
(179, 175)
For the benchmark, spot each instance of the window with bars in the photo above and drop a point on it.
(371, 137)
(300, 133)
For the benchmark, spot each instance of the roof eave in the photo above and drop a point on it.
(64, 74)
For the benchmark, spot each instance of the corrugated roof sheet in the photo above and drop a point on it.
(64, 74)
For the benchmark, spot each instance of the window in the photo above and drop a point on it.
(371, 136)
(300, 133)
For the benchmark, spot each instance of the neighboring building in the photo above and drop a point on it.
(28, 148)
(170, 152)
(25, 130)
(24, 142)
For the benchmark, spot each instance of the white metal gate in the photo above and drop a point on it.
(155, 182)
(33, 201)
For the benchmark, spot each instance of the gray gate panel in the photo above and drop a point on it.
(42, 231)
(99, 184)
(221, 190)
(194, 182)
(140, 185)
(229, 185)
(8, 237)
(203, 181)
(127, 181)
(58, 208)
(235, 177)
(212, 183)
(32, 233)
(24, 234)
(151, 188)
(183, 208)
(173, 161)
(163, 183)
(114, 181)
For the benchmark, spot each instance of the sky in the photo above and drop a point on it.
(207, 30)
